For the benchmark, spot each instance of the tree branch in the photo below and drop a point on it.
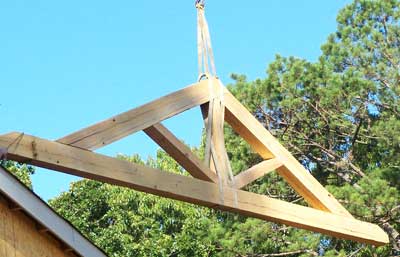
(314, 253)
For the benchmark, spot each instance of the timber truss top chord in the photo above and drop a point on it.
(213, 185)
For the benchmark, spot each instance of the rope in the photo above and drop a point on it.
(204, 47)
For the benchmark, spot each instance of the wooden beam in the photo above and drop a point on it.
(119, 126)
(72, 160)
(233, 111)
(247, 126)
(180, 152)
(14, 207)
(42, 229)
(67, 249)
(248, 176)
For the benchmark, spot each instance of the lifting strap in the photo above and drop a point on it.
(207, 70)
(204, 49)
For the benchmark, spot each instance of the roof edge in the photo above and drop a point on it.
(40, 211)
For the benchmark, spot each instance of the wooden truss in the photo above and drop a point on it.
(212, 184)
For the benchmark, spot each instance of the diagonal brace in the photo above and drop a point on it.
(180, 152)
(257, 171)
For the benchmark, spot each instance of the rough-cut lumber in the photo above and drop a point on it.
(180, 152)
(244, 123)
(72, 160)
(119, 126)
(256, 143)
(257, 171)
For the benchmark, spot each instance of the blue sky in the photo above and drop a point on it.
(65, 65)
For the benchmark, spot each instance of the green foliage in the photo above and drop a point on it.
(21, 171)
(340, 116)
(128, 223)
